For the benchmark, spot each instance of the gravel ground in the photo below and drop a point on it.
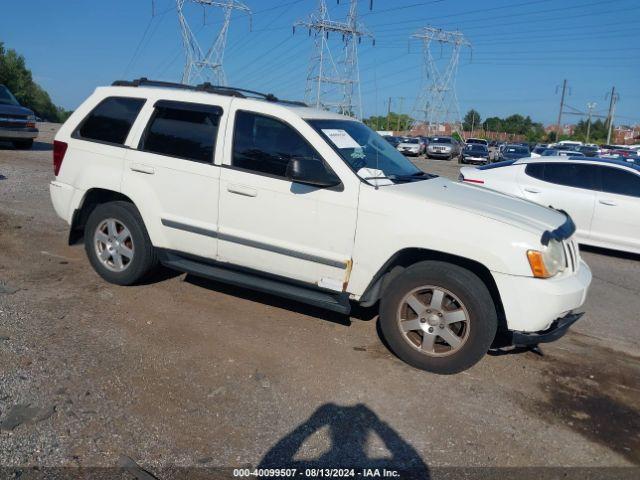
(191, 373)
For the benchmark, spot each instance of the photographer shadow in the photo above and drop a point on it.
(350, 430)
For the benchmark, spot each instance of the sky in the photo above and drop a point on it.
(522, 50)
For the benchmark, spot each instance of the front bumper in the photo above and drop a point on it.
(18, 133)
(533, 304)
(439, 154)
(557, 330)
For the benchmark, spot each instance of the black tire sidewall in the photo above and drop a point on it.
(471, 291)
(144, 256)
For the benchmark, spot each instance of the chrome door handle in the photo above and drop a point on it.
(531, 190)
(136, 167)
(242, 190)
(608, 202)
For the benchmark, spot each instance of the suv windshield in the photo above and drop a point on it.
(411, 140)
(440, 140)
(361, 147)
(6, 97)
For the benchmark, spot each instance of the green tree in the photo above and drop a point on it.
(15, 75)
(401, 122)
(471, 120)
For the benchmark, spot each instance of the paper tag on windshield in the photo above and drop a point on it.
(340, 138)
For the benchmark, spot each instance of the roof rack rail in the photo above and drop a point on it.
(204, 87)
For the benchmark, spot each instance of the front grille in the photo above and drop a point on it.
(571, 254)
(11, 120)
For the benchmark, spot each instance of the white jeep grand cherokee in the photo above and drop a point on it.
(313, 206)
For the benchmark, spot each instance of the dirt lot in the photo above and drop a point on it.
(187, 372)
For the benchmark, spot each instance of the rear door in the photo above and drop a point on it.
(173, 174)
(616, 221)
(565, 186)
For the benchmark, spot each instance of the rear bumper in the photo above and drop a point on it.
(18, 133)
(557, 330)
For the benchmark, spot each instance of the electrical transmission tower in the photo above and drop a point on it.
(199, 65)
(437, 102)
(333, 80)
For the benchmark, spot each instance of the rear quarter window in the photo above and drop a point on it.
(110, 121)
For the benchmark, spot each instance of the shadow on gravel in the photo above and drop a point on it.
(610, 253)
(351, 432)
(269, 299)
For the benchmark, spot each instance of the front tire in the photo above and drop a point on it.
(438, 317)
(117, 243)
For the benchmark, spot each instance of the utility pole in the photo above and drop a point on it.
(400, 113)
(388, 112)
(564, 89)
(207, 66)
(331, 68)
(590, 107)
(612, 108)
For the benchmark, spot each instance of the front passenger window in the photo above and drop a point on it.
(265, 145)
(620, 182)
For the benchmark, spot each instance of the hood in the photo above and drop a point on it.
(409, 145)
(487, 203)
(7, 109)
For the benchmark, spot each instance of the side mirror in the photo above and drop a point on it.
(311, 171)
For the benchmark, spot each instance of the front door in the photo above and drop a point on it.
(274, 225)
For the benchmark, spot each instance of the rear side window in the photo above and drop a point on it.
(577, 175)
(111, 120)
(183, 130)
(264, 144)
(620, 182)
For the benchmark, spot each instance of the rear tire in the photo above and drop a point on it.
(456, 324)
(23, 144)
(117, 243)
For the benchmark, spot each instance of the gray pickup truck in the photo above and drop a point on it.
(17, 123)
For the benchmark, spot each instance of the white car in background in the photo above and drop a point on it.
(410, 146)
(602, 196)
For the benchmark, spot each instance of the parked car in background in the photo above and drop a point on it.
(475, 153)
(477, 141)
(568, 144)
(589, 150)
(553, 152)
(537, 151)
(514, 151)
(395, 141)
(17, 123)
(443, 148)
(410, 146)
(602, 196)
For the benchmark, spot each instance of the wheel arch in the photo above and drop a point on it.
(92, 198)
(402, 259)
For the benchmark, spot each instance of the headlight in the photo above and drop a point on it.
(547, 262)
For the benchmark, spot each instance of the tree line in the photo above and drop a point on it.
(515, 124)
(15, 75)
